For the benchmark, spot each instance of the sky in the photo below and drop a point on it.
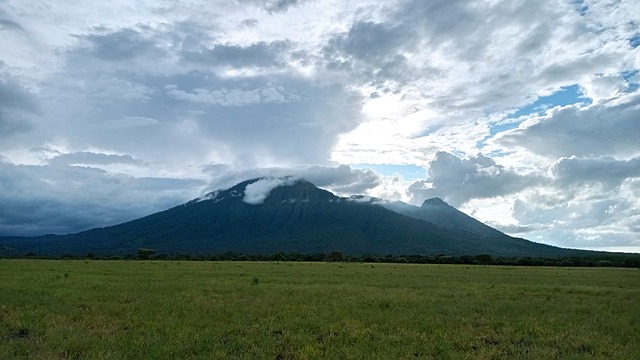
(524, 114)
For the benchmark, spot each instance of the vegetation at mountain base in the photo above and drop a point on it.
(597, 259)
(54, 309)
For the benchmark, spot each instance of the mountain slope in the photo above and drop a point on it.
(265, 216)
(438, 212)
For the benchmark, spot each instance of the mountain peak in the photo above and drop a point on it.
(436, 201)
(299, 190)
(273, 189)
(257, 191)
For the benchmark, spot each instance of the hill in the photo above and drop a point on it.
(438, 212)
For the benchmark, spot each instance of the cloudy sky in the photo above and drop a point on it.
(524, 114)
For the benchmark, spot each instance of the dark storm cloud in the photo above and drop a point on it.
(16, 103)
(60, 199)
(458, 180)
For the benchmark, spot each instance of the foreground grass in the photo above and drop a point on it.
(204, 310)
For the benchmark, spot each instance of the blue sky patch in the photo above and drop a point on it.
(635, 41)
(580, 6)
(629, 77)
(408, 172)
(565, 96)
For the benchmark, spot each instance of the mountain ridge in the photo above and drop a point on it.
(269, 215)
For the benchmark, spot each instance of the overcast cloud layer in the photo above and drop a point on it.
(524, 114)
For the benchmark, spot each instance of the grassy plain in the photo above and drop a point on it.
(54, 309)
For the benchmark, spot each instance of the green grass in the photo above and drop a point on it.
(206, 310)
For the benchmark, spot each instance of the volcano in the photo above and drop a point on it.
(271, 215)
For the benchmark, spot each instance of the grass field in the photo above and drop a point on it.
(216, 310)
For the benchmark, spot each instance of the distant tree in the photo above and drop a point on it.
(145, 254)
(334, 256)
(566, 263)
(315, 257)
(632, 263)
(466, 259)
(526, 261)
(484, 259)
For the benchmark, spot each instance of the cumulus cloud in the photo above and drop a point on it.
(256, 192)
(609, 129)
(603, 87)
(595, 218)
(90, 158)
(266, 118)
(342, 180)
(606, 170)
(371, 53)
(458, 180)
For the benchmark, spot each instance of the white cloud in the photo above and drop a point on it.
(256, 192)
(604, 170)
(600, 88)
(596, 130)
(458, 180)
(233, 97)
(342, 180)
(131, 122)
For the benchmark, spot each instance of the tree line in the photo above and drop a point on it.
(608, 260)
